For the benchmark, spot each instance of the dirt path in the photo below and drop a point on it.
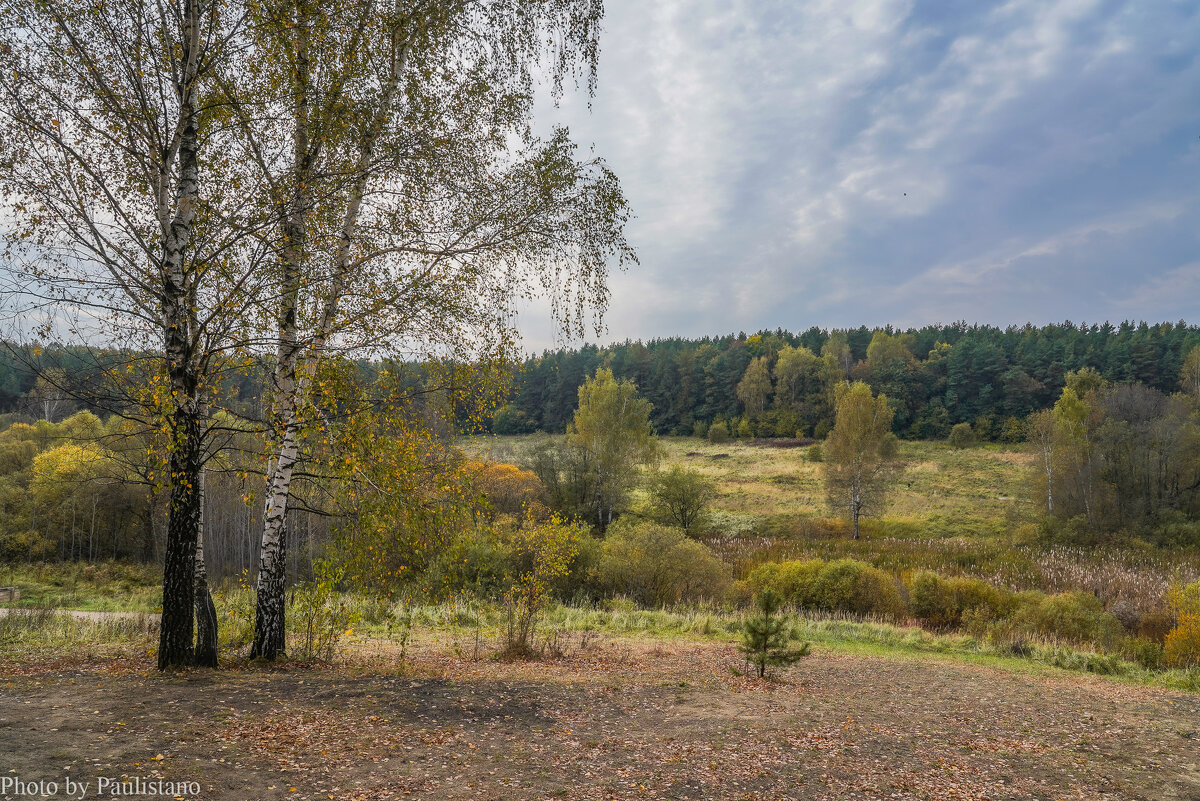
(79, 614)
(616, 720)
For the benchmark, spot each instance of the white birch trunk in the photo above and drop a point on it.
(293, 376)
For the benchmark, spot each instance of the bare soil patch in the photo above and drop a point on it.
(615, 720)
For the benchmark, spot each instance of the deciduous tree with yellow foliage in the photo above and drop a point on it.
(860, 453)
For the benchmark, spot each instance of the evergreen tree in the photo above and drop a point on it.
(766, 638)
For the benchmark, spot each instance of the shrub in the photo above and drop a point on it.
(700, 429)
(1073, 616)
(482, 562)
(932, 602)
(1177, 533)
(1155, 625)
(778, 423)
(579, 584)
(739, 594)
(477, 562)
(25, 545)
(844, 585)
(744, 431)
(1147, 653)
(509, 419)
(947, 602)
(961, 436)
(321, 615)
(815, 453)
(1185, 598)
(1014, 430)
(508, 489)
(850, 586)
(718, 432)
(986, 427)
(793, 580)
(1127, 612)
(657, 566)
(1182, 647)
(235, 610)
(540, 554)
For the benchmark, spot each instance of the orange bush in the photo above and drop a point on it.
(509, 489)
(1182, 648)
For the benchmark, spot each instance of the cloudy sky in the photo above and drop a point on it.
(847, 162)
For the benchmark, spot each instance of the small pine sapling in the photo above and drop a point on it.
(766, 638)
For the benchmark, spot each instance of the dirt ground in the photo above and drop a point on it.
(612, 720)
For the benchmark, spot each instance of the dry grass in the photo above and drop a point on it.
(959, 512)
(937, 481)
(957, 488)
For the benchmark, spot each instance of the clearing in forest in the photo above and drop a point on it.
(612, 719)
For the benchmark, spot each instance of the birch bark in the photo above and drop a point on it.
(175, 635)
(295, 364)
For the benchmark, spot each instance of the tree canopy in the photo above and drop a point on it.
(611, 431)
(859, 454)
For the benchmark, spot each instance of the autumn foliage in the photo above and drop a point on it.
(505, 488)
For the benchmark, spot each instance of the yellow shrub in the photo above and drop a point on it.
(1182, 648)
(844, 585)
(659, 566)
(1185, 599)
(508, 488)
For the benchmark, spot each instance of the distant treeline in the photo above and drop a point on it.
(775, 383)
(769, 384)
(51, 382)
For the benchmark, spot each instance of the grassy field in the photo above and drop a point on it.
(622, 702)
(954, 511)
(957, 509)
(940, 488)
(950, 487)
(96, 587)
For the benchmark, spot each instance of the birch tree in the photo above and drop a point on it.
(1189, 372)
(127, 221)
(417, 208)
(859, 453)
(612, 435)
(755, 387)
(1043, 442)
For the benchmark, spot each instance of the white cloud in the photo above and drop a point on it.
(967, 276)
(780, 156)
(1160, 295)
